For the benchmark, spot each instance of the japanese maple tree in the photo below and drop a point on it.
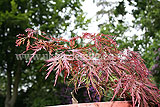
(93, 60)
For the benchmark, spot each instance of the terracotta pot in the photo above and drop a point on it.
(99, 104)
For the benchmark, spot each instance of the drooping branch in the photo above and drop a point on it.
(98, 64)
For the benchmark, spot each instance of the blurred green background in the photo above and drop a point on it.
(25, 86)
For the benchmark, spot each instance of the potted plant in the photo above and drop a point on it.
(93, 60)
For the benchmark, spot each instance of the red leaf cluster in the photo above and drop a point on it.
(97, 63)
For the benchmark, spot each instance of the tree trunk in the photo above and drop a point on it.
(8, 87)
(11, 97)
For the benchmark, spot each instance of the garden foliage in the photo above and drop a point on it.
(93, 60)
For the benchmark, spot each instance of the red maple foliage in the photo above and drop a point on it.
(97, 63)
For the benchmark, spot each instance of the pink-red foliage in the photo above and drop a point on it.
(97, 63)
